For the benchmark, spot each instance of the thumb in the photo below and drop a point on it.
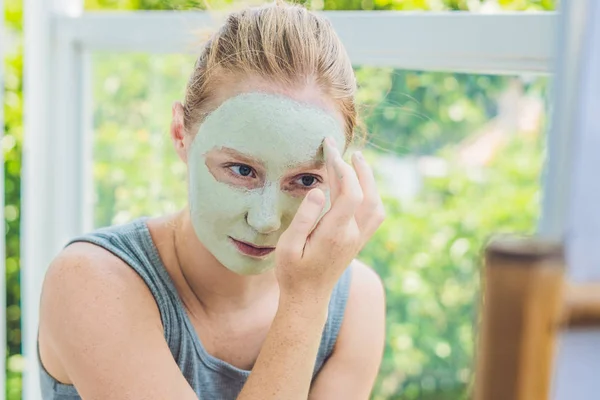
(294, 238)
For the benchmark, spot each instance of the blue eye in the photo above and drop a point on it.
(241, 169)
(308, 180)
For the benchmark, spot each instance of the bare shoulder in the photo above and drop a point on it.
(364, 318)
(81, 258)
(82, 270)
(88, 295)
(366, 285)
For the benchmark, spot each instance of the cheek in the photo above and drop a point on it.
(300, 192)
(214, 201)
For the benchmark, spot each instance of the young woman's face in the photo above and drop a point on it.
(250, 165)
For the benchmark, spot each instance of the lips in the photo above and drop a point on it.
(252, 250)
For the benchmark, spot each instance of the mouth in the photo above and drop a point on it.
(251, 250)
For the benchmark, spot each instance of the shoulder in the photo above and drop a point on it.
(95, 267)
(85, 273)
(97, 322)
(81, 267)
(89, 294)
(365, 297)
(364, 318)
(366, 285)
(362, 332)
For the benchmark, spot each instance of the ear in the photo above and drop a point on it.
(178, 135)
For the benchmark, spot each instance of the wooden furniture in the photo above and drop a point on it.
(526, 302)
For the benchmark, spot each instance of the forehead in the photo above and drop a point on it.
(268, 127)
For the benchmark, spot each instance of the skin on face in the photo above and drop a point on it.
(250, 165)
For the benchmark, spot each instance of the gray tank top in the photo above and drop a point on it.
(210, 377)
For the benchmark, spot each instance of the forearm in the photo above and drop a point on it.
(285, 364)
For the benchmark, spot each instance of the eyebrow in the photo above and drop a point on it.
(316, 163)
(241, 156)
(312, 164)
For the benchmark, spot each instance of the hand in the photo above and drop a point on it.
(310, 261)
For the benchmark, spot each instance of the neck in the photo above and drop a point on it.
(204, 284)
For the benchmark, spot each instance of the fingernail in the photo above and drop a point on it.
(329, 149)
(359, 156)
(326, 150)
(333, 147)
(337, 169)
(331, 142)
(315, 197)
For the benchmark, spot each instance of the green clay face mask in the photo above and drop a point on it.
(250, 165)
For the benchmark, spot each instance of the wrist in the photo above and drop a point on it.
(308, 306)
(294, 290)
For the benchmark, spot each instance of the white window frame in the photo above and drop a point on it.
(59, 37)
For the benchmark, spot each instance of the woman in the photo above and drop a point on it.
(258, 272)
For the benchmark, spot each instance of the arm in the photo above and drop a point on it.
(351, 370)
(100, 330)
(284, 367)
(309, 264)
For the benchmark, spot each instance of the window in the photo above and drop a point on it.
(456, 153)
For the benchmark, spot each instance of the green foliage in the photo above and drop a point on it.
(428, 109)
(11, 147)
(134, 94)
(427, 252)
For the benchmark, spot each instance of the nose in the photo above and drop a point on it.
(264, 214)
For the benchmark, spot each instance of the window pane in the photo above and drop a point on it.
(136, 170)
(457, 158)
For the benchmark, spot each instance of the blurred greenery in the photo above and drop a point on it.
(427, 252)
(11, 147)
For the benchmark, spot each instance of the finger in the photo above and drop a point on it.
(371, 220)
(370, 213)
(365, 175)
(292, 241)
(329, 150)
(350, 196)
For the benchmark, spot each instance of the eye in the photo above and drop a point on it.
(307, 180)
(242, 170)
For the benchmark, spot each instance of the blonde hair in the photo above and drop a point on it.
(281, 43)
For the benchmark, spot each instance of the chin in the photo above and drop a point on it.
(247, 266)
(249, 271)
